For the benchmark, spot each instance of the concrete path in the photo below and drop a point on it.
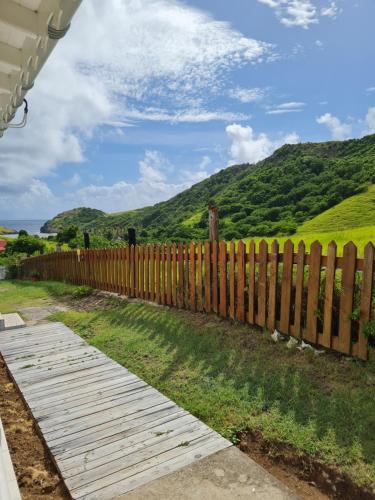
(112, 435)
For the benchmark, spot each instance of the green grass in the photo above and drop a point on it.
(355, 212)
(235, 378)
(18, 294)
(360, 237)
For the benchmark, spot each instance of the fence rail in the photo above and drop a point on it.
(325, 300)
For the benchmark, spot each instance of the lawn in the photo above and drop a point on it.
(235, 378)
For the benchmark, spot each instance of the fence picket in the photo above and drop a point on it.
(286, 286)
(366, 298)
(169, 273)
(326, 339)
(215, 281)
(272, 292)
(207, 276)
(192, 277)
(199, 278)
(251, 284)
(313, 293)
(262, 283)
(152, 272)
(346, 298)
(174, 274)
(180, 275)
(157, 274)
(223, 278)
(232, 277)
(241, 259)
(300, 275)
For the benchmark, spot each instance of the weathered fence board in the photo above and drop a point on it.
(326, 300)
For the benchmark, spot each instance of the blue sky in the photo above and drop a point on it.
(145, 97)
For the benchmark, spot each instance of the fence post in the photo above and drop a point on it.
(131, 237)
(213, 224)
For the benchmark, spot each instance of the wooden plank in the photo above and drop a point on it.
(286, 286)
(207, 277)
(168, 274)
(325, 339)
(300, 261)
(311, 331)
(174, 274)
(223, 278)
(157, 274)
(186, 277)
(241, 260)
(251, 284)
(152, 273)
(232, 278)
(272, 292)
(366, 298)
(199, 278)
(132, 272)
(262, 283)
(180, 292)
(215, 282)
(163, 274)
(147, 274)
(346, 297)
(193, 306)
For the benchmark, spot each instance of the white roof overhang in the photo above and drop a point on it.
(29, 31)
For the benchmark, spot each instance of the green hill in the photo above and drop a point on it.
(356, 211)
(78, 217)
(273, 197)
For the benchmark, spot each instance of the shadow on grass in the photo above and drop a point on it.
(328, 396)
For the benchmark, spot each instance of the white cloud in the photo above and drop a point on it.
(74, 181)
(370, 120)
(339, 131)
(247, 147)
(206, 160)
(330, 10)
(160, 52)
(319, 43)
(183, 116)
(247, 95)
(286, 107)
(302, 13)
(370, 89)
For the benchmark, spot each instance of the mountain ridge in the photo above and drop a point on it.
(274, 196)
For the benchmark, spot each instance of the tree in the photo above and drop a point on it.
(68, 234)
(25, 244)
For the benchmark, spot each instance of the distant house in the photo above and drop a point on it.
(3, 245)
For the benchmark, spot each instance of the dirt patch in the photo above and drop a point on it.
(310, 479)
(36, 474)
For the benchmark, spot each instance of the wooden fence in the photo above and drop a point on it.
(325, 300)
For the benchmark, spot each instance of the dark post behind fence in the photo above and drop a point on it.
(86, 240)
(131, 236)
(213, 223)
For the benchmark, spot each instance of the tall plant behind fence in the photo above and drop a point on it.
(325, 300)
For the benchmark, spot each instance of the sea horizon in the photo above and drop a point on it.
(32, 226)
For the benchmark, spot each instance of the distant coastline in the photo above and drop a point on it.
(32, 226)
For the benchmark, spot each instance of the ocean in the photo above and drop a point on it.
(31, 226)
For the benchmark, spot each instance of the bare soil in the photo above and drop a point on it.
(36, 474)
(308, 478)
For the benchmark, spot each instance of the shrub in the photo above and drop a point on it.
(82, 291)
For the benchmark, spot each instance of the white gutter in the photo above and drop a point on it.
(29, 31)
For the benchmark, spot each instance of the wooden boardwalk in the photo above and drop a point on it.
(107, 430)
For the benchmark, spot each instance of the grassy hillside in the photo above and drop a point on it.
(272, 197)
(356, 211)
(77, 217)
